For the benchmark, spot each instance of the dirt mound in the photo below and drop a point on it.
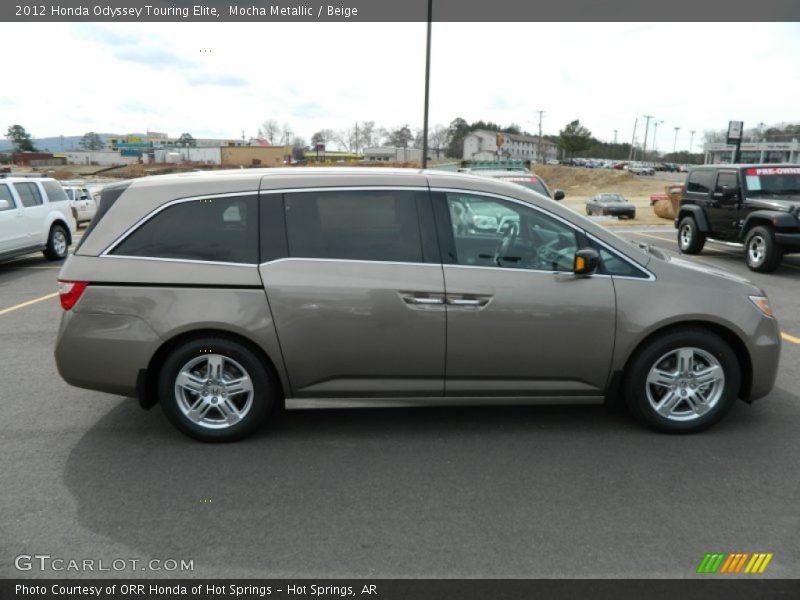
(566, 178)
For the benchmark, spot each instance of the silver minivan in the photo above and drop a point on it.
(226, 295)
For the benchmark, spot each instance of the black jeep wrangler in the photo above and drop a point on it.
(757, 205)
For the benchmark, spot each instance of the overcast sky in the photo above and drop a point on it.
(215, 80)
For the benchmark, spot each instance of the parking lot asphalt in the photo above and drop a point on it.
(427, 492)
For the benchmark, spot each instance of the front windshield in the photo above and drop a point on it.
(611, 198)
(773, 180)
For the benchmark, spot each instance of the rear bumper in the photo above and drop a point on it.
(104, 352)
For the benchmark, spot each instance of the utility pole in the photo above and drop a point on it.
(675, 143)
(615, 136)
(427, 88)
(356, 140)
(691, 140)
(632, 153)
(655, 133)
(646, 128)
(539, 148)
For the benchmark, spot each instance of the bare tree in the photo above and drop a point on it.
(298, 147)
(323, 136)
(346, 139)
(437, 139)
(367, 134)
(711, 136)
(271, 130)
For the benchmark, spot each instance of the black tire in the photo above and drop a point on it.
(635, 387)
(761, 252)
(588, 212)
(57, 243)
(690, 239)
(262, 400)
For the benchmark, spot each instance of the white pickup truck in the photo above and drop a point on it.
(35, 215)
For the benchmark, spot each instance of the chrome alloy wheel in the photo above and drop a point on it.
(214, 391)
(756, 249)
(686, 236)
(59, 242)
(684, 384)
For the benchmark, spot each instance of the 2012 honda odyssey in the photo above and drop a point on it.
(224, 295)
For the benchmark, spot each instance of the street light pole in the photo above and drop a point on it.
(691, 140)
(646, 127)
(655, 133)
(675, 143)
(427, 88)
(539, 148)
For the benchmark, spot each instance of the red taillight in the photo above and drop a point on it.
(70, 292)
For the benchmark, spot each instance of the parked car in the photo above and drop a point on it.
(523, 178)
(757, 205)
(34, 215)
(224, 295)
(613, 205)
(640, 169)
(82, 203)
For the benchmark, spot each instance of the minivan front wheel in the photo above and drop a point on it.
(682, 382)
(690, 239)
(215, 390)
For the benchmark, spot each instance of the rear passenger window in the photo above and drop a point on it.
(5, 194)
(726, 178)
(700, 181)
(55, 193)
(354, 225)
(29, 194)
(211, 229)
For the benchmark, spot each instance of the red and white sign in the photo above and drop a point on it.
(774, 171)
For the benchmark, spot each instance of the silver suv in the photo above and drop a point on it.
(225, 295)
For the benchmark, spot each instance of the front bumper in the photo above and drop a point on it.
(765, 352)
(788, 239)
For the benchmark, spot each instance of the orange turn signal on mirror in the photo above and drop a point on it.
(580, 263)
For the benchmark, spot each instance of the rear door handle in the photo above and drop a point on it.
(420, 300)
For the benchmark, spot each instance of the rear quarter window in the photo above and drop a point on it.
(210, 229)
(54, 191)
(700, 182)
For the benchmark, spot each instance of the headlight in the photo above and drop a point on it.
(762, 304)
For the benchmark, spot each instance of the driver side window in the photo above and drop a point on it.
(494, 233)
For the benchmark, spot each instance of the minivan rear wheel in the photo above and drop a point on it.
(683, 381)
(690, 239)
(215, 389)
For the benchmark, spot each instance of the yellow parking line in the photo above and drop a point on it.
(28, 303)
(790, 338)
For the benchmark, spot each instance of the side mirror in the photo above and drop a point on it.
(586, 261)
(559, 195)
(4, 205)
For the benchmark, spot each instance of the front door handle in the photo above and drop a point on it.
(468, 302)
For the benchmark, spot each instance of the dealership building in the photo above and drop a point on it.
(753, 152)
